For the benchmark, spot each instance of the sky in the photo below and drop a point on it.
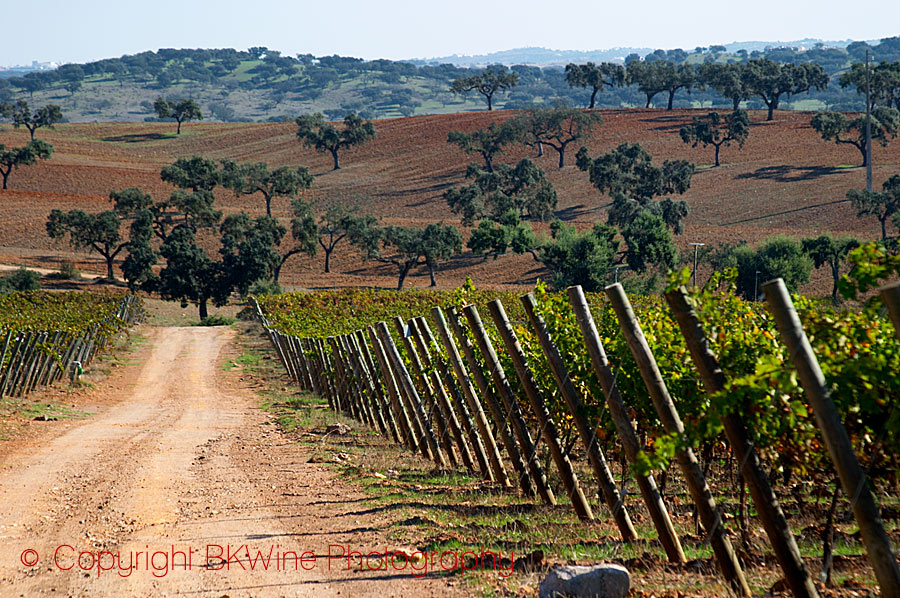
(85, 30)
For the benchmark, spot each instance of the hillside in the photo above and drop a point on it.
(784, 180)
(261, 85)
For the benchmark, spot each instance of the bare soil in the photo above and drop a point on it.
(174, 459)
(784, 180)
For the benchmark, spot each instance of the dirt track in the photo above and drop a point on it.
(180, 464)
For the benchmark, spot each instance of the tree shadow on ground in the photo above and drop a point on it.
(139, 137)
(790, 174)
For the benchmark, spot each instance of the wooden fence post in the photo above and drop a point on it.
(671, 422)
(420, 328)
(548, 428)
(406, 332)
(853, 479)
(383, 401)
(428, 440)
(576, 408)
(529, 451)
(767, 507)
(483, 442)
(668, 537)
(410, 435)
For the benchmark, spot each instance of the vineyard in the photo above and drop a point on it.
(699, 397)
(46, 336)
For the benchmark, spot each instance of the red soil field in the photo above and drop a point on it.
(784, 180)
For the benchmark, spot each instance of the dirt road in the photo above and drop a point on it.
(180, 488)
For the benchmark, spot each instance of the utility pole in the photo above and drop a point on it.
(694, 271)
(868, 129)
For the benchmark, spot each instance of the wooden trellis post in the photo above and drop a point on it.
(853, 479)
(671, 422)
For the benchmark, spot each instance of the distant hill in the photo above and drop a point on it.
(260, 84)
(546, 57)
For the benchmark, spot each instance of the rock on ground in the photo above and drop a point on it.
(586, 581)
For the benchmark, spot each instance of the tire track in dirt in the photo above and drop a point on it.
(182, 465)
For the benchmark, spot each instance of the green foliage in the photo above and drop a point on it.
(71, 311)
(649, 242)
(832, 126)
(216, 320)
(716, 130)
(20, 280)
(579, 258)
(661, 76)
(557, 127)
(487, 142)
(628, 175)
(314, 132)
(247, 179)
(99, 232)
(13, 157)
(826, 249)
(872, 266)
(884, 79)
(728, 79)
(777, 257)
(770, 80)
(487, 83)
(595, 76)
(22, 116)
(181, 111)
(522, 189)
(883, 205)
(408, 247)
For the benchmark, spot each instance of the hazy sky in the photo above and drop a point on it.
(84, 30)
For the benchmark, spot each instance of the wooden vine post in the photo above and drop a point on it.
(484, 442)
(390, 383)
(419, 328)
(852, 476)
(493, 404)
(767, 507)
(668, 537)
(526, 443)
(671, 422)
(538, 406)
(585, 431)
(406, 332)
(427, 438)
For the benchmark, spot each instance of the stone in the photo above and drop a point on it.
(586, 581)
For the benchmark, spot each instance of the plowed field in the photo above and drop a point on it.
(784, 180)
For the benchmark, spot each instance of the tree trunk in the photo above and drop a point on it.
(736, 102)
(334, 154)
(31, 131)
(862, 150)
(328, 251)
(836, 276)
(717, 146)
(490, 100)
(882, 219)
(109, 267)
(431, 271)
(562, 155)
(203, 310)
(178, 132)
(5, 176)
(268, 206)
(671, 99)
(540, 145)
(488, 161)
(649, 97)
(773, 106)
(404, 270)
(593, 98)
